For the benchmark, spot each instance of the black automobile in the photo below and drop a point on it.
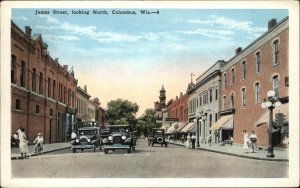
(87, 138)
(157, 136)
(120, 138)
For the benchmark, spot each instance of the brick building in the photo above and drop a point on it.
(42, 91)
(249, 75)
(178, 108)
(99, 113)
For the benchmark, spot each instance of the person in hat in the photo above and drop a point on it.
(39, 141)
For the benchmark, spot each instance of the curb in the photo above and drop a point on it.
(49, 151)
(238, 155)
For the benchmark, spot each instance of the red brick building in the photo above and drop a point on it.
(100, 112)
(250, 74)
(42, 91)
(178, 108)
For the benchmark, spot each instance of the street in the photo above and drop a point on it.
(146, 162)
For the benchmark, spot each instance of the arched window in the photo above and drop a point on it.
(22, 75)
(224, 102)
(54, 89)
(276, 52)
(13, 68)
(69, 97)
(232, 100)
(243, 96)
(258, 63)
(224, 81)
(34, 79)
(257, 92)
(41, 83)
(275, 81)
(37, 109)
(244, 70)
(49, 87)
(232, 76)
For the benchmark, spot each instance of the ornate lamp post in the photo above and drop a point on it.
(270, 104)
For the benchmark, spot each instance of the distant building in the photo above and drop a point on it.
(83, 118)
(42, 91)
(161, 104)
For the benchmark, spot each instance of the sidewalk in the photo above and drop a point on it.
(238, 150)
(15, 152)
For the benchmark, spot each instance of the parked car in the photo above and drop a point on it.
(87, 138)
(120, 138)
(157, 136)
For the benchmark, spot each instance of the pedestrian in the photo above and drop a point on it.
(23, 143)
(253, 139)
(188, 141)
(216, 136)
(193, 141)
(209, 139)
(246, 141)
(182, 139)
(39, 142)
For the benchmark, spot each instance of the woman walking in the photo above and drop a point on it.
(246, 141)
(23, 143)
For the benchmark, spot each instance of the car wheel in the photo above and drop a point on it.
(106, 151)
(74, 150)
(129, 150)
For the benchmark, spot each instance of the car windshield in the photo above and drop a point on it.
(87, 132)
(120, 130)
(158, 132)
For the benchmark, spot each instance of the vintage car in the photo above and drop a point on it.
(120, 138)
(157, 136)
(87, 138)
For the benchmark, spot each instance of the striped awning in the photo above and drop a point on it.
(225, 122)
(284, 108)
(172, 129)
(181, 125)
(188, 127)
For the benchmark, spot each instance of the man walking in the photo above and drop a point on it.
(253, 139)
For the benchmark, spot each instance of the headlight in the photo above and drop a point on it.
(124, 137)
(110, 138)
(89, 140)
(77, 140)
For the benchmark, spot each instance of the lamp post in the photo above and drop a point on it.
(270, 104)
(198, 131)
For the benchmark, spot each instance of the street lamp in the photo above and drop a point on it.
(198, 130)
(270, 104)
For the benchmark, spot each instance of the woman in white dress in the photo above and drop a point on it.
(23, 143)
(246, 141)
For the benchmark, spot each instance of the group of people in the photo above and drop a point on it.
(250, 142)
(191, 141)
(23, 142)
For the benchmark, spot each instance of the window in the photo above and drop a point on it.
(200, 100)
(210, 95)
(257, 62)
(69, 97)
(224, 102)
(41, 83)
(54, 88)
(18, 104)
(22, 76)
(51, 112)
(232, 100)
(276, 52)
(243, 95)
(37, 109)
(216, 94)
(257, 92)
(216, 117)
(13, 68)
(275, 81)
(49, 87)
(34, 79)
(232, 76)
(197, 102)
(224, 81)
(244, 70)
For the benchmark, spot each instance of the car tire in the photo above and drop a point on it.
(74, 150)
(129, 150)
(106, 151)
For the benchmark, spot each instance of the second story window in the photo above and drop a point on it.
(49, 87)
(258, 63)
(210, 95)
(22, 76)
(34, 79)
(54, 89)
(37, 109)
(41, 83)
(276, 52)
(224, 81)
(13, 68)
(232, 100)
(232, 76)
(243, 96)
(275, 81)
(18, 104)
(257, 92)
(216, 94)
(224, 102)
(244, 70)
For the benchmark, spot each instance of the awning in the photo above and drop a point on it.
(188, 127)
(225, 122)
(284, 108)
(172, 129)
(181, 125)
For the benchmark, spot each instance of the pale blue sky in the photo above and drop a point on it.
(131, 56)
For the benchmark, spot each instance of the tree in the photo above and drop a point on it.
(121, 112)
(147, 122)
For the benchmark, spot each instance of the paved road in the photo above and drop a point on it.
(146, 162)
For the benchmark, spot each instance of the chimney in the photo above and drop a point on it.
(180, 94)
(238, 50)
(28, 31)
(272, 23)
(85, 89)
(65, 67)
(56, 60)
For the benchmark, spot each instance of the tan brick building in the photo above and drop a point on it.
(42, 91)
(250, 74)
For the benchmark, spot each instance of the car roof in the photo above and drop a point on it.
(88, 128)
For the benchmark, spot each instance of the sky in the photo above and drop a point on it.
(130, 56)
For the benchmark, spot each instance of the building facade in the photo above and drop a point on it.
(82, 105)
(161, 104)
(178, 108)
(42, 91)
(250, 74)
